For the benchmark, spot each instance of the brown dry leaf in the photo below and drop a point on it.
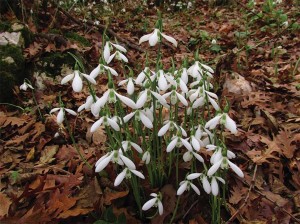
(110, 195)
(48, 153)
(237, 195)
(30, 155)
(74, 212)
(285, 140)
(25, 128)
(18, 140)
(39, 128)
(5, 204)
(5, 121)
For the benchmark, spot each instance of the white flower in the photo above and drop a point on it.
(204, 180)
(140, 115)
(143, 74)
(154, 202)
(26, 85)
(215, 186)
(61, 114)
(178, 141)
(186, 185)
(88, 103)
(77, 80)
(130, 85)
(170, 125)
(100, 69)
(224, 163)
(155, 37)
(108, 48)
(285, 24)
(107, 122)
(96, 22)
(222, 119)
(127, 144)
(118, 55)
(126, 173)
(175, 97)
(213, 41)
(198, 98)
(146, 157)
(146, 95)
(162, 81)
(198, 69)
(187, 156)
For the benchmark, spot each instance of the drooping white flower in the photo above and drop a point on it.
(146, 95)
(26, 85)
(154, 202)
(222, 119)
(198, 97)
(126, 173)
(224, 163)
(143, 74)
(178, 141)
(186, 185)
(77, 80)
(126, 145)
(146, 157)
(140, 115)
(197, 70)
(106, 121)
(162, 81)
(204, 180)
(175, 96)
(119, 56)
(170, 125)
(100, 69)
(215, 186)
(61, 114)
(130, 85)
(155, 37)
(187, 156)
(109, 47)
(88, 103)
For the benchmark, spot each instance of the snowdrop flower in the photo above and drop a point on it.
(146, 95)
(175, 97)
(96, 22)
(177, 82)
(222, 119)
(60, 116)
(213, 41)
(88, 103)
(188, 156)
(155, 37)
(162, 81)
(126, 173)
(77, 80)
(217, 155)
(197, 97)
(140, 115)
(110, 97)
(186, 185)
(215, 186)
(170, 125)
(205, 183)
(26, 85)
(127, 144)
(115, 156)
(109, 47)
(119, 56)
(178, 141)
(285, 24)
(146, 157)
(130, 85)
(198, 69)
(100, 69)
(204, 135)
(224, 163)
(154, 202)
(107, 122)
(143, 74)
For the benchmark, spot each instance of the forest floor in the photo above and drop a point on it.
(256, 62)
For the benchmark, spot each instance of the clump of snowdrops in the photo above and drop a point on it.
(168, 116)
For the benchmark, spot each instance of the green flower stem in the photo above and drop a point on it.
(175, 210)
(136, 193)
(12, 105)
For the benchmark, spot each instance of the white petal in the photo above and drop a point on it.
(106, 52)
(137, 173)
(140, 78)
(162, 83)
(230, 125)
(81, 108)
(198, 157)
(130, 87)
(145, 38)
(113, 124)
(160, 207)
(146, 121)
(182, 188)
(236, 169)
(71, 111)
(172, 144)
(128, 102)
(198, 103)
(221, 180)
(128, 162)
(183, 132)
(160, 99)
(146, 157)
(207, 68)
(187, 156)
(123, 57)
(100, 166)
(183, 86)
(153, 194)
(214, 168)
(164, 129)
(89, 78)
(214, 187)
(170, 39)
(120, 177)
(142, 100)
(60, 116)
(212, 123)
(182, 99)
(149, 204)
(95, 72)
(128, 117)
(67, 79)
(193, 176)
(153, 39)
(195, 188)
(23, 86)
(195, 143)
(214, 103)
(136, 147)
(123, 82)
(184, 76)
(186, 144)
(206, 185)
(111, 58)
(96, 125)
(213, 95)
(77, 83)
(119, 47)
(54, 110)
(112, 71)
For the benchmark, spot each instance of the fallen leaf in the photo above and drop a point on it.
(48, 153)
(5, 204)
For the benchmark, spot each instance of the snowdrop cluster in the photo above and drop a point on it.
(135, 121)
